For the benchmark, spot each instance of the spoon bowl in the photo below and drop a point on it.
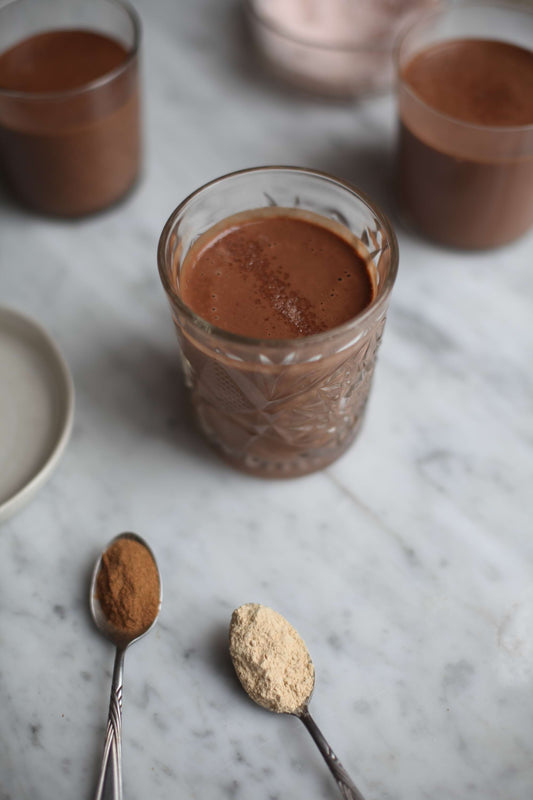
(118, 638)
(111, 768)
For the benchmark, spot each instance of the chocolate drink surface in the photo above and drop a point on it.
(275, 276)
(69, 120)
(280, 274)
(466, 172)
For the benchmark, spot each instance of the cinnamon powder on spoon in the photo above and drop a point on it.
(128, 587)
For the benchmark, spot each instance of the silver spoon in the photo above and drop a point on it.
(112, 758)
(253, 652)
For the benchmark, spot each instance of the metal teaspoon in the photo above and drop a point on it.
(347, 787)
(112, 758)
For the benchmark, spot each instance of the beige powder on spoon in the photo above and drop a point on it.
(270, 659)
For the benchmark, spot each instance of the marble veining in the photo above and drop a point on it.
(406, 566)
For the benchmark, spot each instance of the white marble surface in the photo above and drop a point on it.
(406, 566)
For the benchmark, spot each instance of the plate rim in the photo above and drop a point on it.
(17, 500)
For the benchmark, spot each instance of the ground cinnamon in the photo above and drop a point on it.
(128, 586)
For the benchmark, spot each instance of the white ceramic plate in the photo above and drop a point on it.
(36, 409)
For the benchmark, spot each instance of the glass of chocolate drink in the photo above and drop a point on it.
(69, 103)
(466, 124)
(278, 280)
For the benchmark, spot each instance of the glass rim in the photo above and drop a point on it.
(442, 12)
(297, 342)
(334, 47)
(97, 83)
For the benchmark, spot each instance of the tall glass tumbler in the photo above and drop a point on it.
(280, 408)
(461, 184)
(73, 151)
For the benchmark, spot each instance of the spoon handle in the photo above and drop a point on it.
(112, 758)
(348, 789)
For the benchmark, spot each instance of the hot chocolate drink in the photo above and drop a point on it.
(276, 274)
(466, 157)
(59, 61)
(69, 120)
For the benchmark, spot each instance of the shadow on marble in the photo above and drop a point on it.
(87, 574)
(219, 660)
(369, 167)
(242, 59)
(8, 204)
(138, 385)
